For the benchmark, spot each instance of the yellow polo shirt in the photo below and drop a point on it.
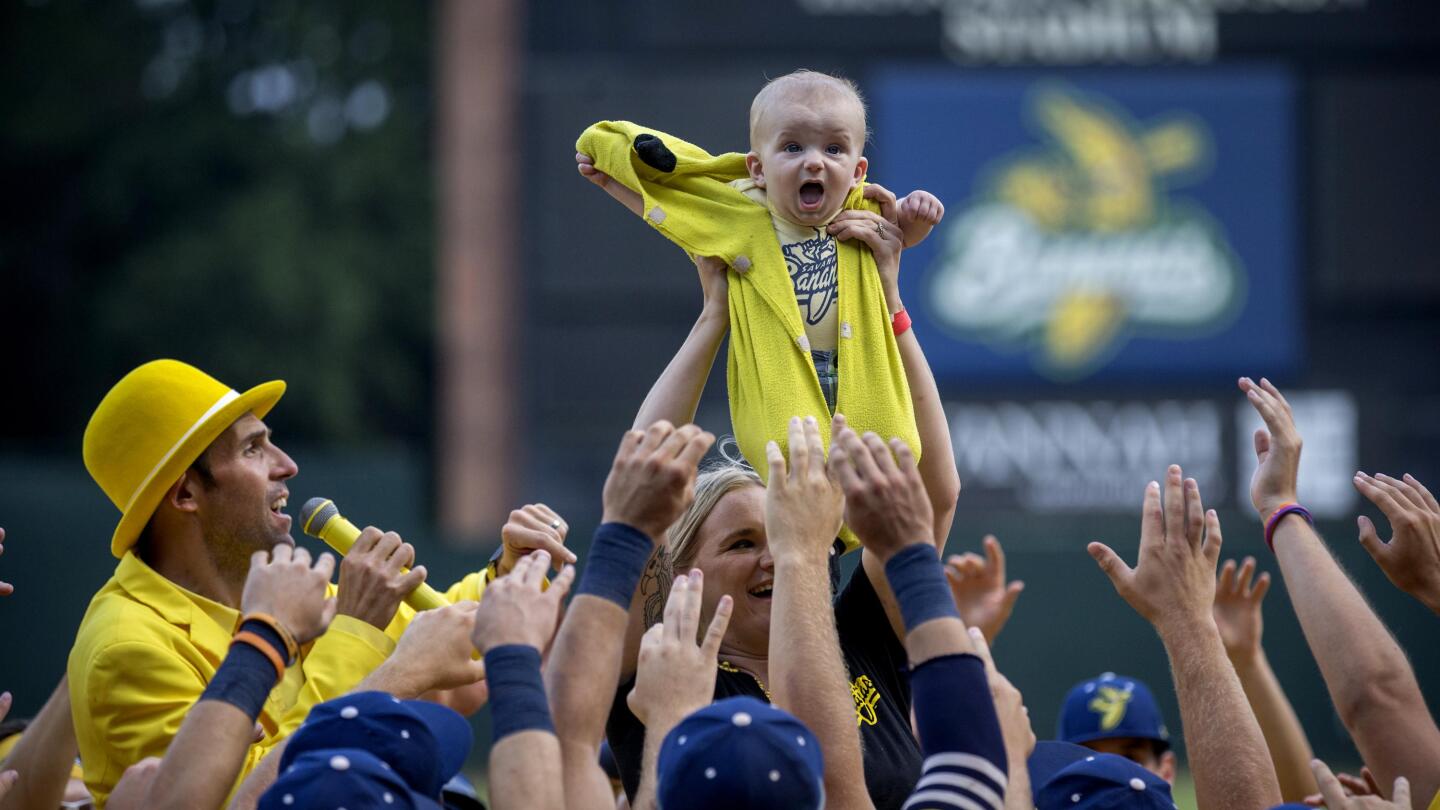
(147, 648)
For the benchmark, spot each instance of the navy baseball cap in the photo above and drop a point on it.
(1082, 779)
(740, 752)
(425, 743)
(342, 777)
(1108, 707)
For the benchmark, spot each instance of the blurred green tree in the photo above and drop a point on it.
(241, 184)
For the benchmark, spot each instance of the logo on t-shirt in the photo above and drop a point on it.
(867, 697)
(812, 266)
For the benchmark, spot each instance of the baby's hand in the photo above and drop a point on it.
(586, 165)
(919, 212)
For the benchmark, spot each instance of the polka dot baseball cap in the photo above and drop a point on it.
(1071, 777)
(339, 778)
(740, 752)
(424, 743)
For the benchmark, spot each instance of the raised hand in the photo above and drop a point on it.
(517, 609)
(434, 652)
(1237, 608)
(1173, 583)
(653, 478)
(1412, 557)
(803, 504)
(625, 196)
(283, 584)
(1362, 785)
(676, 673)
(1336, 799)
(985, 600)
(372, 582)
(5, 588)
(533, 527)
(885, 500)
(1277, 447)
(921, 207)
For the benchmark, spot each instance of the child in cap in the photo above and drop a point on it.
(811, 328)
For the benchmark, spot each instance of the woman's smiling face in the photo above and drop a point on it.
(732, 551)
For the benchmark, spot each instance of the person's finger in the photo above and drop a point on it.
(6, 700)
(369, 536)
(1353, 785)
(1430, 501)
(1401, 794)
(1329, 786)
(1194, 514)
(860, 456)
(799, 449)
(404, 557)
(534, 573)
(675, 442)
(815, 446)
(715, 633)
(841, 468)
(629, 444)
(410, 581)
(655, 435)
(675, 605)
(1379, 496)
(884, 197)
(552, 519)
(1226, 583)
(1262, 587)
(690, 613)
(258, 559)
(325, 565)
(776, 459)
(1110, 562)
(560, 585)
(1262, 443)
(1388, 484)
(696, 448)
(994, 557)
(1012, 594)
(653, 636)
(1247, 570)
(1403, 488)
(982, 651)
(300, 556)
(1314, 800)
(1152, 522)
(543, 539)
(385, 545)
(1174, 505)
(852, 230)
(1371, 542)
(1270, 389)
(880, 454)
(904, 458)
(1213, 539)
(281, 553)
(581, 157)
(1268, 408)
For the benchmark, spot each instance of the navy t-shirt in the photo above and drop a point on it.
(876, 662)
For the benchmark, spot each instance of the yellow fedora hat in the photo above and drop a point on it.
(152, 426)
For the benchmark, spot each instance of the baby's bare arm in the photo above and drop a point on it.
(625, 196)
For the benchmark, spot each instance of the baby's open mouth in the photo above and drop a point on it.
(811, 194)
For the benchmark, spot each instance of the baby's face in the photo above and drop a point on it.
(807, 156)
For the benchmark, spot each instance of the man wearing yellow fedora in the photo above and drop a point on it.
(201, 488)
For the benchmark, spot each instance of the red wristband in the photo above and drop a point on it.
(900, 322)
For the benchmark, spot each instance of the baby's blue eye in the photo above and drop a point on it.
(792, 147)
(833, 149)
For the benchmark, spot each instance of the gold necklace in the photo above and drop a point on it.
(729, 667)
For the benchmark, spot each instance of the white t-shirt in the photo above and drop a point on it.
(811, 257)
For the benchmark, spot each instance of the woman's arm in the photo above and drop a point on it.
(676, 394)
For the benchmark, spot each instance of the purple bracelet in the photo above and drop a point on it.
(1285, 509)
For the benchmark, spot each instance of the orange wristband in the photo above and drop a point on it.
(292, 648)
(900, 322)
(254, 640)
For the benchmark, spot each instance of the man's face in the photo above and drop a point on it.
(241, 509)
(1140, 751)
(807, 155)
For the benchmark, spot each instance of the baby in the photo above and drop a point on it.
(791, 219)
(807, 137)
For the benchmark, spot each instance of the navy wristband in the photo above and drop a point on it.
(244, 680)
(517, 694)
(918, 581)
(954, 711)
(617, 558)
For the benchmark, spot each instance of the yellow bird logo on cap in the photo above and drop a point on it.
(1110, 704)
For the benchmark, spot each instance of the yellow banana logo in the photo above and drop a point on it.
(1110, 703)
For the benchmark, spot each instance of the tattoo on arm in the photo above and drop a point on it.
(655, 586)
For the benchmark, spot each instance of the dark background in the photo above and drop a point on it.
(169, 193)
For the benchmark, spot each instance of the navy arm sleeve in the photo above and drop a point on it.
(965, 765)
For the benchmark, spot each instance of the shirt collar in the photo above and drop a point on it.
(176, 604)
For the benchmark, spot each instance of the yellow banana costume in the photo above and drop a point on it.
(687, 197)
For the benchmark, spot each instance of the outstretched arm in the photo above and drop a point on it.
(1173, 587)
(1370, 681)
(1412, 557)
(676, 394)
(803, 506)
(39, 766)
(651, 482)
(1238, 616)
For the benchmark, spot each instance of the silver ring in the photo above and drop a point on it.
(555, 524)
(880, 228)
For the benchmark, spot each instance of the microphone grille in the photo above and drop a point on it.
(315, 514)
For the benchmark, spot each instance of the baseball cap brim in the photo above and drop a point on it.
(1049, 758)
(452, 734)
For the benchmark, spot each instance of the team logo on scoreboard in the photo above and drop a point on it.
(1077, 245)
